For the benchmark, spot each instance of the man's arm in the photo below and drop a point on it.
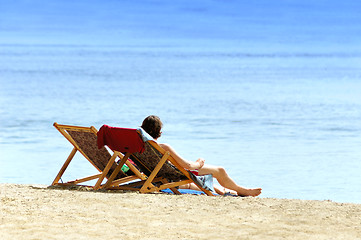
(181, 161)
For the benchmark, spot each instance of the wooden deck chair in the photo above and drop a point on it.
(161, 170)
(84, 140)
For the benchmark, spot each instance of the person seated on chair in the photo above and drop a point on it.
(153, 126)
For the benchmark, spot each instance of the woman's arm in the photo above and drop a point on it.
(181, 161)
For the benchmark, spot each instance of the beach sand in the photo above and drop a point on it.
(38, 212)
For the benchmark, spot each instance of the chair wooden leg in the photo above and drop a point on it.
(174, 190)
(147, 185)
(85, 179)
(135, 170)
(105, 172)
(64, 167)
(117, 170)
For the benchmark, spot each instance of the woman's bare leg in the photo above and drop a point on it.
(225, 181)
(189, 186)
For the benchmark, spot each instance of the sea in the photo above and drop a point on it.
(270, 90)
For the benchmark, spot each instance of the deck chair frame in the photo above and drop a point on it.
(148, 184)
(103, 173)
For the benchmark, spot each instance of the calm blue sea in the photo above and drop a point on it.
(269, 90)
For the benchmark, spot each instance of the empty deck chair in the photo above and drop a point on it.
(160, 168)
(84, 140)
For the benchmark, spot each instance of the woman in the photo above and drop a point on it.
(153, 126)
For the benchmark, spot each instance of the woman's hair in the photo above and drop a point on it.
(152, 125)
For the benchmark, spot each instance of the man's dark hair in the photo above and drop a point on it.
(152, 125)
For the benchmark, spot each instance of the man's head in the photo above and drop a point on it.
(153, 125)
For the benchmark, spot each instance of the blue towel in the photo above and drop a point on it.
(184, 191)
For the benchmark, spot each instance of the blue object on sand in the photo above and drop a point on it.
(184, 191)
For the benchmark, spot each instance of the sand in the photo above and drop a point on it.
(38, 212)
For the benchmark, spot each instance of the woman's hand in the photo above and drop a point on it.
(200, 161)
